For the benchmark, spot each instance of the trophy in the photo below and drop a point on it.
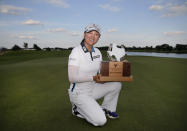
(117, 69)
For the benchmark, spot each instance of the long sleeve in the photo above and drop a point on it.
(74, 76)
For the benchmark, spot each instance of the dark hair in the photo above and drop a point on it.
(82, 40)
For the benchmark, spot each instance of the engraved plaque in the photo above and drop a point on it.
(115, 71)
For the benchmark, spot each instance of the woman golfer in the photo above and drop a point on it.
(85, 88)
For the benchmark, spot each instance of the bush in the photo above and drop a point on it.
(15, 48)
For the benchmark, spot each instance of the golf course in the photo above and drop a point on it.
(34, 97)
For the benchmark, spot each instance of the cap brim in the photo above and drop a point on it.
(92, 30)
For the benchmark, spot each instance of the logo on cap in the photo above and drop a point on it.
(93, 27)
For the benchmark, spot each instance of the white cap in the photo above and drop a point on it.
(92, 27)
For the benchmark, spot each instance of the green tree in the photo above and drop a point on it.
(16, 48)
(180, 47)
(36, 47)
(25, 45)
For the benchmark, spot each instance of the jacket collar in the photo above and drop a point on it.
(85, 49)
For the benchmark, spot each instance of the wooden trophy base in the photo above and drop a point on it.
(117, 78)
(115, 71)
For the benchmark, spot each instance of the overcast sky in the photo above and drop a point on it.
(61, 23)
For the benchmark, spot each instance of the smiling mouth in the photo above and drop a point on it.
(92, 40)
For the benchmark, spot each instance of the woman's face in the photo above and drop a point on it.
(91, 37)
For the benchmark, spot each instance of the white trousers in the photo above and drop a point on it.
(84, 96)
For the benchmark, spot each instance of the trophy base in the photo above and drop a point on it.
(117, 78)
(115, 69)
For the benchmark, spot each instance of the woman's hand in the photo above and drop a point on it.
(97, 79)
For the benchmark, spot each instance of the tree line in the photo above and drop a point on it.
(179, 48)
(35, 47)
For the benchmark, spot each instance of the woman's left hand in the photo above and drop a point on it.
(97, 79)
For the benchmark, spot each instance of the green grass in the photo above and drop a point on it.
(19, 56)
(33, 95)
